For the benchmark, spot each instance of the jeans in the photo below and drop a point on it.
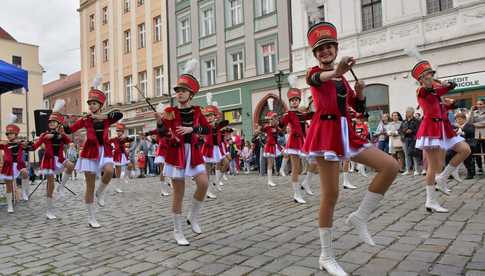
(411, 154)
(151, 165)
(384, 145)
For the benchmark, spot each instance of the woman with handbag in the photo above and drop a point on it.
(395, 142)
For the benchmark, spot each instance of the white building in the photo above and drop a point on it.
(448, 33)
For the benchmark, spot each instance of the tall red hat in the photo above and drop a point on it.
(211, 109)
(56, 116)
(189, 82)
(421, 68)
(270, 114)
(11, 128)
(96, 95)
(120, 126)
(321, 33)
(294, 93)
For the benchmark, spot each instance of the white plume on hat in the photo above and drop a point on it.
(58, 105)
(214, 103)
(208, 98)
(413, 51)
(190, 66)
(97, 80)
(292, 79)
(12, 118)
(270, 104)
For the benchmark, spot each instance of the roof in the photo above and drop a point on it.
(59, 85)
(5, 35)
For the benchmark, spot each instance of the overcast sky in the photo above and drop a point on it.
(51, 24)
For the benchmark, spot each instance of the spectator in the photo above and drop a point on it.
(408, 130)
(477, 118)
(72, 155)
(246, 156)
(141, 161)
(152, 149)
(143, 146)
(467, 131)
(395, 142)
(381, 132)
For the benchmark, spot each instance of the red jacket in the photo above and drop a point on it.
(362, 130)
(48, 160)
(161, 141)
(91, 146)
(325, 131)
(297, 134)
(435, 116)
(175, 150)
(271, 136)
(7, 168)
(209, 143)
(119, 148)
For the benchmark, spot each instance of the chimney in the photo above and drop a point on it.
(62, 76)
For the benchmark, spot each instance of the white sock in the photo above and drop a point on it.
(326, 242)
(368, 204)
(447, 171)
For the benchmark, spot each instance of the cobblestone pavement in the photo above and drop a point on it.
(250, 229)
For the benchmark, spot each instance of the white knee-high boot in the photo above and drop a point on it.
(92, 222)
(327, 256)
(178, 232)
(9, 197)
(50, 209)
(25, 189)
(193, 217)
(100, 192)
(360, 217)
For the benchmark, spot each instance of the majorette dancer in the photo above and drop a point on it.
(160, 156)
(226, 136)
(184, 123)
(97, 153)
(331, 139)
(435, 134)
(271, 148)
(120, 155)
(212, 149)
(13, 162)
(53, 161)
(296, 120)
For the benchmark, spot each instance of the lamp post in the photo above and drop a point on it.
(279, 79)
(33, 137)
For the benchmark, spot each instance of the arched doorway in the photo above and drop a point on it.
(262, 108)
(377, 101)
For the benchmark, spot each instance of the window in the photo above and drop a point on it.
(140, 2)
(209, 75)
(233, 116)
(316, 15)
(92, 56)
(157, 28)
(236, 69)
(235, 14)
(433, 6)
(264, 7)
(127, 45)
(126, 6)
(142, 82)
(207, 17)
(371, 14)
(129, 89)
(158, 80)
(91, 22)
(105, 50)
(268, 52)
(19, 113)
(105, 15)
(141, 36)
(17, 61)
(107, 92)
(184, 30)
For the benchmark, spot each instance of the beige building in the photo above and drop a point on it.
(18, 101)
(125, 42)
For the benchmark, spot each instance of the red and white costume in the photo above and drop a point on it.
(120, 154)
(271, 148)
(435, 130)
(213, 148)
(11, 168)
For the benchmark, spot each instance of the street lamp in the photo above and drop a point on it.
(279, 79)
(33, 137)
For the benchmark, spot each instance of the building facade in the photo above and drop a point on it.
(20, 102)
(125, 43)
(448, 33)
(240, 46)
(67, 88)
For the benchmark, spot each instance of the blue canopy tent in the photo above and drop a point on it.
(12, 77)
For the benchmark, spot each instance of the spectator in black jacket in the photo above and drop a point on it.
(408, 130)
(467, 131)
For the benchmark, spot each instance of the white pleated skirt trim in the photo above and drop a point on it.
(216, 156)
(94, 166)
(295, 152)
(58, 168)
(348, 151)
(426, 142)
(123, 162)
(159, 160)
(188, 171)
(271, 155)
(16, 173)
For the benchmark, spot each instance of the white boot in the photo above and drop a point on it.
(297, 197)
(360, 217)
(456, 175)
(442, 179)
(8, 196)
(327, 256)
(283, 167)
(219, 178)
(178, 232)
(92, 216)
(25, 189)
(123, 176)
(209, 193)
(224, 176)
(193, 217)
(50, 209)
(61, 187)
(432, 204)
(270, 178)
(306, 183)
(100, 192)
(165, 190)
(346, 181)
